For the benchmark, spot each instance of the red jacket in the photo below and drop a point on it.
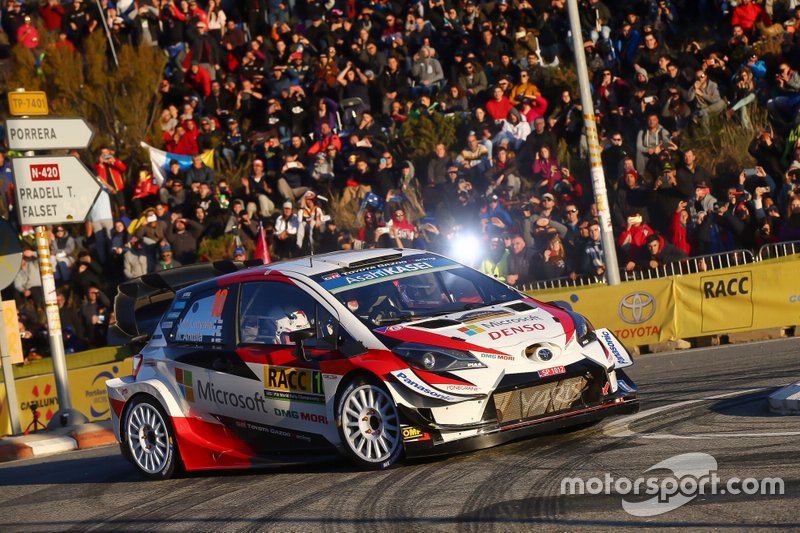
(321, 145)
(199, 81)
(746, 16)
(634, 238)
(112, 174)
(499, 110)
(145, 188)
(680, 237)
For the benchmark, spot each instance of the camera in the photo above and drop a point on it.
(750, 172)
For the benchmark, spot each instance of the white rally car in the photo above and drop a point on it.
(373, 354)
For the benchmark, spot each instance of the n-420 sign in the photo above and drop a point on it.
(53, 190)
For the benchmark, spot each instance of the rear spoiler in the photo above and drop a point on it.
(140, 303)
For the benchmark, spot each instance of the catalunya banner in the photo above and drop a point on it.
(159, 161)
(87, 388)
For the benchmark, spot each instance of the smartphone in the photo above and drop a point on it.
(750, 173)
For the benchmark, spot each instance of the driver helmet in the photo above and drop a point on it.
(295, 321)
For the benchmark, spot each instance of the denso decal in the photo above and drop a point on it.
(554, 371)
(288, 383)
(411, 383)
(515, 330)
(512, 320)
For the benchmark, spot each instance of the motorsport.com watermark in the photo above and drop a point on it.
(693, 474)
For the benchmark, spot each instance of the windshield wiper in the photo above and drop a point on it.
(392, 319)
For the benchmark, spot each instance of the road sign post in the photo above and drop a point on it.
(47, 133)
(54, 190)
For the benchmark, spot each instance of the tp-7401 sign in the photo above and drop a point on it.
(53, 190)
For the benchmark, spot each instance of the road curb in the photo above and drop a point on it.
(11, 451)
(786, 401)
(90, 435)
(93, 438)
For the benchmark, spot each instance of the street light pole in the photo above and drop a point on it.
(598, 177)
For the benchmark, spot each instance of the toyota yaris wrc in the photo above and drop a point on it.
(374, 354)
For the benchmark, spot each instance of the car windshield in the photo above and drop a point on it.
(413, 288)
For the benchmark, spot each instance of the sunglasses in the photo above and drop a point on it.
(572, 210)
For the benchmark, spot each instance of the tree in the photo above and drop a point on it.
(120, 103)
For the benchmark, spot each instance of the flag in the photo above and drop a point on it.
(159, 161)
(262, 250)
(125, 8)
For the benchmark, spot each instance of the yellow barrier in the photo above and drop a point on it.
(637, 313)
(87, 388)
(750, 297)
(756, 296)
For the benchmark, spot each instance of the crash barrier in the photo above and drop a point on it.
(690, 265)
(701, 263)
(87, 387)
(778, 249)
(751, 296)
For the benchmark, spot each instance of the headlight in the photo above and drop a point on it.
(584, 331)
(434, 358)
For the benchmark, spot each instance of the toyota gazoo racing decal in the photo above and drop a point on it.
(614, 347)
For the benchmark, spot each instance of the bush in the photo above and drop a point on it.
(419, 134)
(121, 103)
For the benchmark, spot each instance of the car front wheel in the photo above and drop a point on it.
(369, 425)
(150, 439)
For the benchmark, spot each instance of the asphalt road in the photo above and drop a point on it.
(706, 401)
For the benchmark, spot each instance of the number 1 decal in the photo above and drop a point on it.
(219, 303)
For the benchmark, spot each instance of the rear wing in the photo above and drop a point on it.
(140, 303)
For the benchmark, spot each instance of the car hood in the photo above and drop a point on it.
(501, 328)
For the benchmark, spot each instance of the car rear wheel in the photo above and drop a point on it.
(369, 425)
(150, 440)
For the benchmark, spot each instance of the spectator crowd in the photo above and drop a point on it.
(303, 105)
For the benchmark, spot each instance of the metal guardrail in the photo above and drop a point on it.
(566, 281)
(691, 265)
(778, 249)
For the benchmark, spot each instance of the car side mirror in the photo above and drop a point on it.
(297, 337)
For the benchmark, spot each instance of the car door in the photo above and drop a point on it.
(200, 330)
(293, 411)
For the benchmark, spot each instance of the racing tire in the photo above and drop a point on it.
(150, 439)
(369, 425)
